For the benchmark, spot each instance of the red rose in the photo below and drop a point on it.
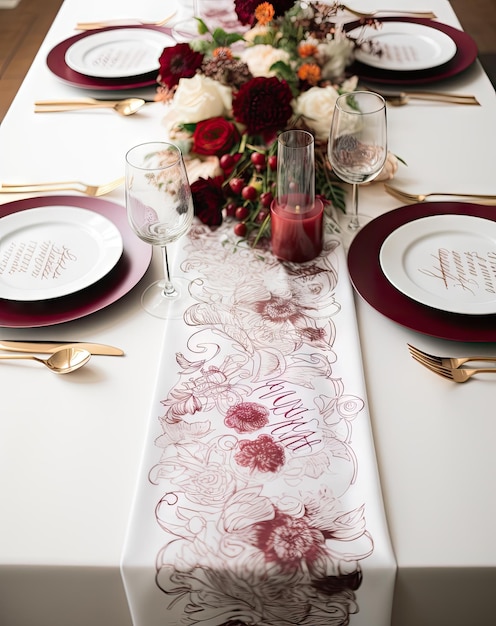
(215, 136)
(263, 105)
(177, 62)
(208, 200)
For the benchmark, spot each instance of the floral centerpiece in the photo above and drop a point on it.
(230, 94)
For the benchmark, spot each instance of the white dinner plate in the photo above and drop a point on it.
(405, 46)
(54, 251)
(118, 53)
(447, 262)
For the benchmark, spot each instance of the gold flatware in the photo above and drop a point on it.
(456, 374)
(402, 98)
(372, 14)
(49, 347)
(126, 107)
(62, 361)
(412, 198)
(121, 22)
(445, 361)
(89, 190)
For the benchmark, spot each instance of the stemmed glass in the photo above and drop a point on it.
(357, 146)
(160, 210)
(215, 13)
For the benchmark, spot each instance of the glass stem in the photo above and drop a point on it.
(354, 223)
(169, 289)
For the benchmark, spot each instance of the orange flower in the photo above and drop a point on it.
(264, 13)
(307, 50)
(223, 52)
(309, 72)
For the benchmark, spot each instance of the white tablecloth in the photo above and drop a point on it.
(70, 447)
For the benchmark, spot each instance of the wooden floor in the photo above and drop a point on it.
(23, 28)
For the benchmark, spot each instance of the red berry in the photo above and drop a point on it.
(240, 229)
(249, 192)
(242, 212)
(226, 162)
(236, 185)
(231, 209)
(272, 160)
(258, 159)
(266, 199)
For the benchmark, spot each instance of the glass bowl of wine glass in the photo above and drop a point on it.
(357, 147)
(160, 211)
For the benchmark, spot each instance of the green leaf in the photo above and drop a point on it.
(189, 127)
(202, 27)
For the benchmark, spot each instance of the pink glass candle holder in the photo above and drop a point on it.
(296, 215)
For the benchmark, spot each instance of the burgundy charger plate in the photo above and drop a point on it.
(370, 282)
(57, 65)
(465, 55)
(128, 271)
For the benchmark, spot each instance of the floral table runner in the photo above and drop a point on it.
(258, 501)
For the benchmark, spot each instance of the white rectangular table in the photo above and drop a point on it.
(70, 448)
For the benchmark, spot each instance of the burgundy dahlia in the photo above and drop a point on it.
(263, 105)
(177, 62)
(245, 9)
(208, 200)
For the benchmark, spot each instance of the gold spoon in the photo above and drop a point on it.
(62, 361)
(129, 106)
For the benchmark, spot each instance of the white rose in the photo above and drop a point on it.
(196, 99)
(256, 31)
(316, 106)
(261, 57)
(208, 167)
(334, 56)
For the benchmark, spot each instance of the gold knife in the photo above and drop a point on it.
(48, 347)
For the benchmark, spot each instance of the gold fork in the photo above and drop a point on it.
(89, 190)
(411, 198)
(458, 375)
(372, 14)
(444, 361)
(122, 22)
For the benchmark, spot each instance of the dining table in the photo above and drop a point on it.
(128, 494)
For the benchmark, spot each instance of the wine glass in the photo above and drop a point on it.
(160, 210)
(357, 146)
(215, 14)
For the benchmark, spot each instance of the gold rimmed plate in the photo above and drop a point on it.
(57, 64)
(125, 274)
(374, 287)
(445, 261)
(464, 57)
(118, 53)
(49, 252)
